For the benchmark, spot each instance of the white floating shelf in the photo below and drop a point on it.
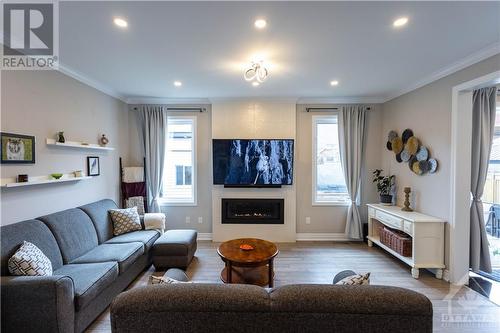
(74, 144)
(40, 180)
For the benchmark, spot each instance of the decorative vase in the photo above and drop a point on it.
(386, 199)
(60, 137)
(104, 140)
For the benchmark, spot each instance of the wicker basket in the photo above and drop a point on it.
(397, 241)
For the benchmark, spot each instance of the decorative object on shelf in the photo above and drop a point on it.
(103, 140)
(408, 149)
(85, 144)
(56, 175)
(384, 186)
(93, 167)
(78, 173)
(246, 247)
(60, 137)
(406, 208)
(17, 148)
(22, 178)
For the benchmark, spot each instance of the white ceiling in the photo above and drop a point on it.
(204, 44)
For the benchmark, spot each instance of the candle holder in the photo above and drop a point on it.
(406, 207)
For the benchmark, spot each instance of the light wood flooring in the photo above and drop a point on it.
(455, 309)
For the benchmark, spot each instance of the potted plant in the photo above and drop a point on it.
(384, 186)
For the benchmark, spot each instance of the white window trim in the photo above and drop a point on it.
(315, 121)
(169, 203)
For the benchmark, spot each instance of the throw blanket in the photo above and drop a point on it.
(133, 174)
(154, 221)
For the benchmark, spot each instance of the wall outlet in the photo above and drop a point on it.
(188, 219)
(200, 219)
(308, 220)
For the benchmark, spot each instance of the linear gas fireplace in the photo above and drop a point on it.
(253, 211)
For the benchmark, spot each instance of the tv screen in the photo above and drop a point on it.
(253, 162)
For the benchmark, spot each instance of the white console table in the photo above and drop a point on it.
(427, 234)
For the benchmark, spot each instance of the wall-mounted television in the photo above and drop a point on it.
(244, 162)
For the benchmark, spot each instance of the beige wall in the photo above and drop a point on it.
(427, 111)
(176, 215)
(41, 103)
(331, 219)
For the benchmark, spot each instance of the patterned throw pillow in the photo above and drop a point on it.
(357, 279)
(125, 220)
(29, 260)
(163, 280)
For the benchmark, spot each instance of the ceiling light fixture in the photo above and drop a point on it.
(400, 22)
(257, 71)
(120, 22)
(334, 83)
(255, 84)
(260, 24)
(177, 83)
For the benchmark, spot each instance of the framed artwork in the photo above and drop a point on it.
(93, 166)
(17, 148)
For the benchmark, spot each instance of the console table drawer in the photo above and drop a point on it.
(408, 228)
(390, 220)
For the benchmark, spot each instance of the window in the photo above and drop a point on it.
(328, 178)
(179, 175)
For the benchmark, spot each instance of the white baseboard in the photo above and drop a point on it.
(321, 237)
(318, 237)
(206, 236)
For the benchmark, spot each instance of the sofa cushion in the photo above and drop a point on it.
(33, 231)
(89, 280)
(125, 220)
(98, 212)
(29, 260)
(147, 237)
(125, 254)
(74, 232)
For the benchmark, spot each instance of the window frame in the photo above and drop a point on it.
(194, 169)
(315, 121)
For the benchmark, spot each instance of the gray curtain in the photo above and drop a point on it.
(153, 121)
(483, 127)
(352, 145)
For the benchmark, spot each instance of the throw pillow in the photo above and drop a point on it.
(29, 260)
(125, 220)
(163, 280)
(358, 279)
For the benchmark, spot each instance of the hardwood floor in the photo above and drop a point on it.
(455, 309)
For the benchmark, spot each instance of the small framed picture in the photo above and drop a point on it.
(93, 167)
(17, 148)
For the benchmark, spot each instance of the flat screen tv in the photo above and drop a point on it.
(253, 162)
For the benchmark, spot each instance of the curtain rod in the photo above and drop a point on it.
(182, 109)
(327, 109)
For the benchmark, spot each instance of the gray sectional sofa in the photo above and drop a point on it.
(90, 265)
(200, 308)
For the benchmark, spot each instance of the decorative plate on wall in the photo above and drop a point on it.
(397, 145)
(392, 135)
(433, 165)
(422, 154)
(407, 133)
(412, 145)
(405, 155)
(389, 145)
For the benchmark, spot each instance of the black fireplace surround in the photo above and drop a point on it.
(253, 211)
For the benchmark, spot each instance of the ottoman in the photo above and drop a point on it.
(175, 248)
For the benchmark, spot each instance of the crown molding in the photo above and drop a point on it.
(254, 99)
(470, 60)
(171, 101)
(66, 70)
(341, 100)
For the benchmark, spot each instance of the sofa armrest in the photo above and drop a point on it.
(37, 304)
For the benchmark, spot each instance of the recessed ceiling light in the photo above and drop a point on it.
(334, 83)
(400, 22)
(255, 84)
(177, 83)
(260, 24)
(120, 22)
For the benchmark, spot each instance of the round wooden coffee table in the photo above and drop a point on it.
(248, 266)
